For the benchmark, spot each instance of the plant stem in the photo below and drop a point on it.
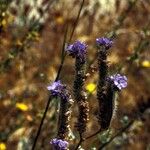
(76, 21)
(58, 74)
(64, 42)
(42, 121)
(97, 132)
(80, 142)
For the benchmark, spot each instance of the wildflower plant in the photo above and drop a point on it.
(106, 43)
(78, 50)
(59, 144)
(58, 90)
(107, 87)
(104, 87)
(119, 81)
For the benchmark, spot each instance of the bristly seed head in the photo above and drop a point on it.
(59, 144)
(77, 49)
(106, 42)
(119, 81)
(58, 89)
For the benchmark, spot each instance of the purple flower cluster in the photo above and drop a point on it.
(119, 81)
(58, 89)
(77, 49)
(59, 144)
(106, 42)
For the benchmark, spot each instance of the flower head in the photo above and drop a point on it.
(59, 144)
(106, 42)
(78, 50)
(58, 89)
(119, 81)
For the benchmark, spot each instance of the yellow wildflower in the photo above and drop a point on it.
(91, 87)
(146, 63)
(60, 20)
(2, 146)
(4, 23)
(22, 106)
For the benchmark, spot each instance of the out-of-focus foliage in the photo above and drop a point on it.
(31, 37)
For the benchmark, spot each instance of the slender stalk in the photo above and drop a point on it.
(80, 99)
(80, 142)
(49, 100)
(76, 21)
(58, 74)
(42, 121)
(90, 136)
(63, 53)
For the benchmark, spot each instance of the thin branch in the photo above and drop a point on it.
(42, 121)
(62, 54)
(76, 21)
(80, 142)
(63, 49)
(49, 100)
(90, 136)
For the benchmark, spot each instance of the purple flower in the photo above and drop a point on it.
(59, 144)
(78, 50)
(58, 89)
(106, 42)
(119, 81)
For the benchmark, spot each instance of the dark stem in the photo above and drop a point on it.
(64, 42)
(80, 142)
(58, 74)
(63, 55)
(76, 21)
(60, 67)
(42, 121)
(90, 136)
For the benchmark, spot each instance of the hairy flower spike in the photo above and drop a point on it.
(103, 44)
(106, 105)
(107, 101)
(105, 92)
(119, 81)
(106, 42)
(59, 144)
(78, 50)
(64, 117)
(80, 96)
(57, 89)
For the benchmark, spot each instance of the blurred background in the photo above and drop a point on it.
(31, 39)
